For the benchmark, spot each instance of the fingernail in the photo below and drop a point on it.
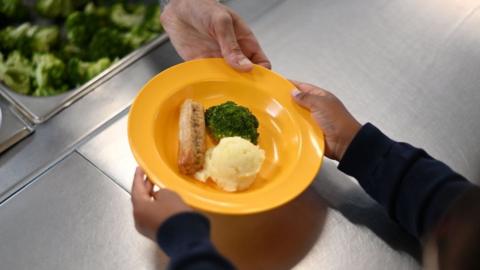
(296, 92)
(244, 62)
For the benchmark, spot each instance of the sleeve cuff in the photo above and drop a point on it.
(182, 232)
(364, 152)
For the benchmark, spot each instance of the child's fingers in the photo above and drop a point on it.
(149, 186)
(139, 188)
(309, 88)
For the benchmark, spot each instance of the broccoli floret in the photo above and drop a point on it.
(11, 37)
(69, 51)
(49, 72)
(152, 19)
(46, 75)
(15, 72)
(57, 8)
(29, 38)
(45, 38)
(54, 8)
(16, 59)
(108, 43)
(127, 18)
(80, 72)
(139, 36)
(12, 10)
(229, 120)
(17, 79)
(80, 27)
(102, 13)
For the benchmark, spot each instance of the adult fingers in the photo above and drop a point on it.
(227, 39)
(248, 42)
(254, 52)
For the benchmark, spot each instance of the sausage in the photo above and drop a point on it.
(191, 137)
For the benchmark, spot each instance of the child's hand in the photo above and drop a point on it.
(337, 123)
(151, 209)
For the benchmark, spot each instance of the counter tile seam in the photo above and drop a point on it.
(20, 185)
(102, 171)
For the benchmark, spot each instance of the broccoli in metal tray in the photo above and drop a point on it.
(12, 10)
(230, 120)
(81, 71)
(74, 41)
(57, 8)
(28, 38)
(127, 16)
(15, 72)
(50, 74)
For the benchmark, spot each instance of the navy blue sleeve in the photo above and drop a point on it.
(415, 189)
(185, 238)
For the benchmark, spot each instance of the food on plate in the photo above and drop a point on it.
(191, 137)
(233, 164)
(95, 36)
(229, 120)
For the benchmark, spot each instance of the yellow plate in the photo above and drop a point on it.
(292, 141)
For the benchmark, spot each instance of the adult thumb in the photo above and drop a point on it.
(227, 40)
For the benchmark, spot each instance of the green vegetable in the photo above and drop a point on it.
(128, 18)
(15, 72)
(102, 13)
(82, 39)
(12, 10)
(80, 27)
(229, 120)
(57, 8)
(69, 51)
(138, 36)
(109, 43)
(50, 74)
(29, 38)
(152, 19)
(11, 37)
(80, 72)
(45, 38)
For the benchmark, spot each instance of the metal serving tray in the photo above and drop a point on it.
(40, 109)
(12, 128)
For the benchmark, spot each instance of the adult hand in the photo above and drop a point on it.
(338, 125)
(205, 28)
(151, 209)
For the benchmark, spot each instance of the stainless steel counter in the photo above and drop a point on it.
(410, 67)
(73, 217)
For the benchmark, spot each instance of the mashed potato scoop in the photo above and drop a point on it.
(233, 164)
